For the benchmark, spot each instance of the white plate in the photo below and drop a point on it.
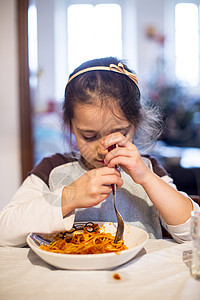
(134, 238)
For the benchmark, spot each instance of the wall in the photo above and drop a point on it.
(149, 13)
(9, 117)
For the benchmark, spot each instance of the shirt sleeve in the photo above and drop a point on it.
(34, 208)
(181, 232)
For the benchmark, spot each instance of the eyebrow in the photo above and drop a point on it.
(86, 130)
(120, 129)
(112, 131)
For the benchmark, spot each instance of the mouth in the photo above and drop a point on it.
(101, 162)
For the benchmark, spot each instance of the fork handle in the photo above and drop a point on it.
(109, 149)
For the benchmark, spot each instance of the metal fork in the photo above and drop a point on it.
(120, 222)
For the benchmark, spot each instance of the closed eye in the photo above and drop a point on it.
(90, 139)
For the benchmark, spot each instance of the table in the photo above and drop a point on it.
(159, 271)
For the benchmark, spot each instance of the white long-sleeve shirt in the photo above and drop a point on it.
(36, 206)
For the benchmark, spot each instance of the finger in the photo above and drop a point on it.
(127, 152)
(114, 138)
(108, 171)
(122, 161)
(106, 189)
(112, 179)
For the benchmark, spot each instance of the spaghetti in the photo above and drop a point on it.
(89, 240)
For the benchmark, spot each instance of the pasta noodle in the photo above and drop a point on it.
(89, 240)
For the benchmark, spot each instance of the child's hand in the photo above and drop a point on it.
(91, 188)
(126, 156)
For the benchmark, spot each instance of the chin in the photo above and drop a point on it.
(95, 164)
(90, 165)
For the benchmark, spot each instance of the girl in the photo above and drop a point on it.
(102, 108)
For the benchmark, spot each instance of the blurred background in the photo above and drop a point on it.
(42, 41)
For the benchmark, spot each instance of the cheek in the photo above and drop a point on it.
(130, 138)
(130, 135)
(87, 150)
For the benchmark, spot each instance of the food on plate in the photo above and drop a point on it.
(85, 239)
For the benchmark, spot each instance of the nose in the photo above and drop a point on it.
(101, 152)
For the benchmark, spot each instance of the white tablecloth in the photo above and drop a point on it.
(160, 271)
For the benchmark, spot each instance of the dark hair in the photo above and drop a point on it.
(103, 87)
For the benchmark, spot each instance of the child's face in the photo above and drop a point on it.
(90, 125)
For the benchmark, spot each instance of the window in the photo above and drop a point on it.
(187, 38)
(93, 31)
(32, 44)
